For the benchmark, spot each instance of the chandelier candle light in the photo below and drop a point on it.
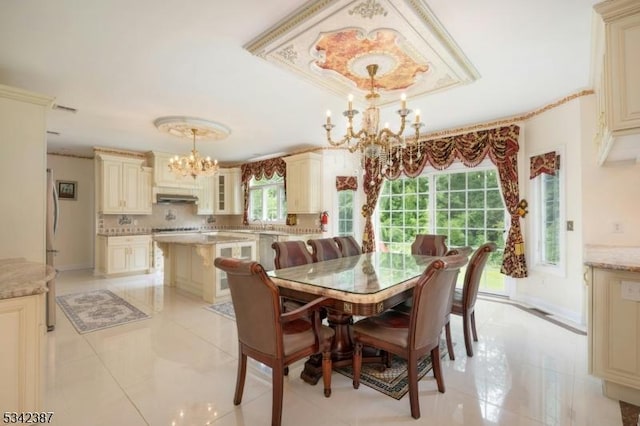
(194, 164)
(372, 142)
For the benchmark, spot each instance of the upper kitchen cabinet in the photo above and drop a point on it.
(205, 195)
(123, 185)
(227, 192)
(304, 177)
(617, 80)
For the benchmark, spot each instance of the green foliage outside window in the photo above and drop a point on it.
(467, 207)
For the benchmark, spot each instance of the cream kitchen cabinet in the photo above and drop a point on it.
(123, 185)
(23, 329)
(304, 176)
(228, 192)
(205, 195)
(123, 254)
(617, 80)
(245, 250)
(614, 331)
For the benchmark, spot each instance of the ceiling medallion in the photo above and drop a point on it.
(193, 164)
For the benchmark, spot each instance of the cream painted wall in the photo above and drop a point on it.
(339, 162)
(559, 292)
(75, 234)
(611, 194)
(23, 173)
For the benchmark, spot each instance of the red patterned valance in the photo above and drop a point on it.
(265, 168)
(346, 183)
(545, 163)
(259, 170)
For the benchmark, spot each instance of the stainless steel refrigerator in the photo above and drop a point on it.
(52, 225)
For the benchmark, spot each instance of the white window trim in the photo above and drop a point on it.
(280, 194)
(559, 270)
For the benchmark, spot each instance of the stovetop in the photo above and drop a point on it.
(177, 229)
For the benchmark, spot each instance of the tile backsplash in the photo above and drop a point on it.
(184, 216)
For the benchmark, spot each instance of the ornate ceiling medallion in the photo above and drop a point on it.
(331, 42)
(348, 53)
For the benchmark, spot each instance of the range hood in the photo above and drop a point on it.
(176, 199)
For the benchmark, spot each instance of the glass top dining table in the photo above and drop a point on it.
(365, 284)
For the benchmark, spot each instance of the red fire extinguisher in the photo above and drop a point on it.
(324, 220)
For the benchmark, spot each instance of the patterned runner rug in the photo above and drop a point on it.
(97, 310)
(223, 308)
(392, 381)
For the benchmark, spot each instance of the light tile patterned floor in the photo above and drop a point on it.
(179, 368)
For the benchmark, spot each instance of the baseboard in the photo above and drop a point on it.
(550, 308)
(543, 310)
(74, 267)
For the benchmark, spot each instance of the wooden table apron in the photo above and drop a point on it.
(308, 282)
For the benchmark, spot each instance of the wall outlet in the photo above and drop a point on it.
(616, 228)
(631, 290)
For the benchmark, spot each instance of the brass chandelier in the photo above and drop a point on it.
(193, 164)
(370, 140)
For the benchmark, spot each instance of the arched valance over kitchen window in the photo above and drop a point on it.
(260, 169)
(499, 144)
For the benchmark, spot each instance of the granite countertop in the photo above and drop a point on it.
(19, 277)
(613, 257)
(122, 234)
(202, 239)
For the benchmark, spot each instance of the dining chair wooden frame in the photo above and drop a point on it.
(417, 334)
(464, 300)
(269, 336)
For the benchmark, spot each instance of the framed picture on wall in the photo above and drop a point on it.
(67, 189)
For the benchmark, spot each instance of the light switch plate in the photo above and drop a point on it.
(569, 225)
(631, 290)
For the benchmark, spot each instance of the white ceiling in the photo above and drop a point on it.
(123, 64)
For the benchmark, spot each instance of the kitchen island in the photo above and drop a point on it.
(188, 261)
(613, 276)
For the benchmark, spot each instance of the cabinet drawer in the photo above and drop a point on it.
(128, 240)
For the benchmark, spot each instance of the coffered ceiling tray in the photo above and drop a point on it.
(331, 42)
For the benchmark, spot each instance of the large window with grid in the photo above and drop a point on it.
(267, 199)
(466, 206)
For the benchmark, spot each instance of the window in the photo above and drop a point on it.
(403, 212)
(346, 203)
(547, 219)
(466, 206)
(267, 199)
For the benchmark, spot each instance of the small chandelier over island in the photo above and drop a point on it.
(194, 164)
(370, 140)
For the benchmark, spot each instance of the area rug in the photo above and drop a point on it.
(223, 308)
(97, 310)
(392, 381)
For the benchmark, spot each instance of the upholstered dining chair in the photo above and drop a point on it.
(429, 245)
(348, 246)
(405, 307)
(464, 300)
(324, 249)
(417, 334)
(291, 253)
(273, 338)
